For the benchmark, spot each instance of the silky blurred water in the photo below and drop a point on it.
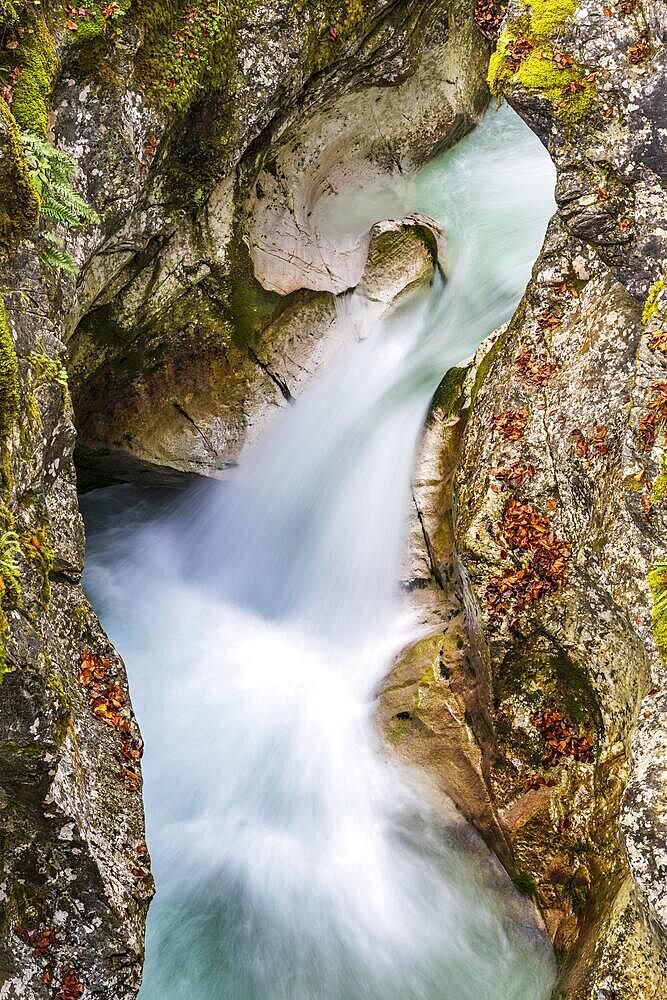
(294, 860)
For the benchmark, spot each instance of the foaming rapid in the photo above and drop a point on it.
(294, 860)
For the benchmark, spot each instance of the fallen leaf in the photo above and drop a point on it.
(639, 52)
(548, 321)
(71, 987)
(511, 424)
(658, 341)
(515, 475)
(534, 368)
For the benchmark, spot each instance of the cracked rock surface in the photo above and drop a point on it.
(540, 495)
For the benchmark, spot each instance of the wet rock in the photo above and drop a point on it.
(75, 876)
(565, 682)
(208, 401)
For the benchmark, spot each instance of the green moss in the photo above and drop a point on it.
(46, 369)
(324, 17)
(657, 581)
(96, 24)
(38, 62)
(525, 883)
(498, 69)
(548, 16)
(660, 485)
(10, 576)
(251, 306)
(19, 201)
(565, 87)
(187, 47)
(634, 483)
(542, 676)
(55, 684)
(484, 366)
(399, 727)
(651, 304)
(9, 378)
(539, 74)
(10, 12)
(10, 552)
(448, 396)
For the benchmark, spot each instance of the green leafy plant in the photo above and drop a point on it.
(46, 369)
(51, 173)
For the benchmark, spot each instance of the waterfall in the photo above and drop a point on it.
(295, 860)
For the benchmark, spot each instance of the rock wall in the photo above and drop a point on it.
(75, 881)
(538, 701)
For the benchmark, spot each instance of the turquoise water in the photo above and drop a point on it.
(294, 860)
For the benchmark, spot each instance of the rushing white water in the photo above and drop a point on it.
(294, 860)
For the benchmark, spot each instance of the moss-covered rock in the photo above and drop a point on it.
(187, 48)
(589, 87)
(541, 72)
(37, 62)
(652, 305)
(19, 202)
(226, 342)
(9, 379)
(549, 16)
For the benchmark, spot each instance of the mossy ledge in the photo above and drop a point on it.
(563, 82)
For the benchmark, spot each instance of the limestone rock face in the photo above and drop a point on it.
(75, 879)
(552, 549)
(534, 699)
(212, 261)
(541, 535)
(210, 399)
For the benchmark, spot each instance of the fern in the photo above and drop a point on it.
(56, 257)
(52, 173)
